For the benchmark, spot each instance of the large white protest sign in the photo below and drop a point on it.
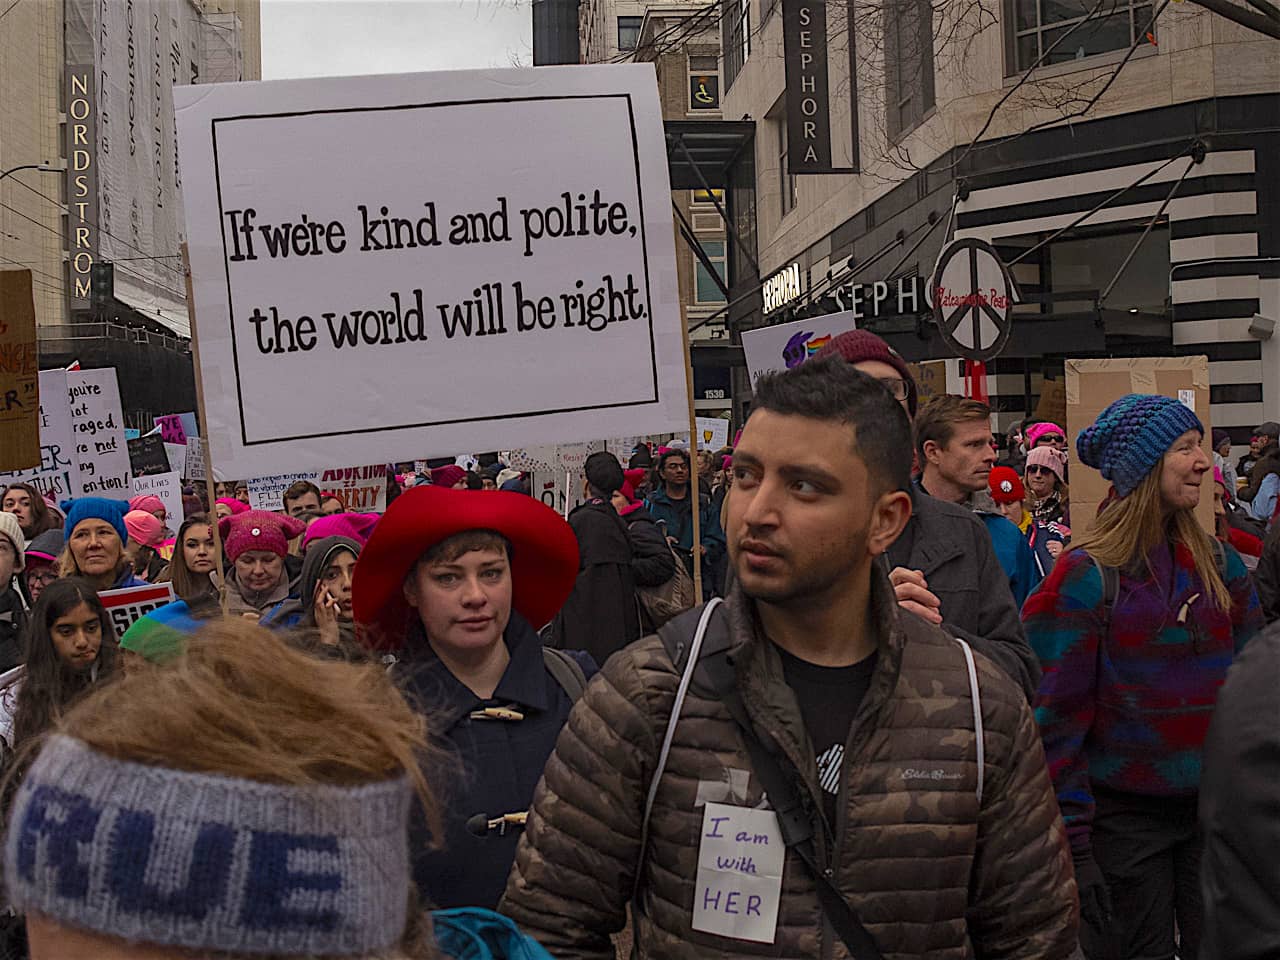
(787, 345)
(177, 454)
(166, 486)
(361, 489)
(517, 234)
(58, 473)
(97, 427)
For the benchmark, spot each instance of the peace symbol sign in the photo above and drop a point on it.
(973, 298)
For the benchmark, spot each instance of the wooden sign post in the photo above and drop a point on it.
(19, 374)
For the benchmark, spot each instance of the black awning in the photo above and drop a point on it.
(713, 145)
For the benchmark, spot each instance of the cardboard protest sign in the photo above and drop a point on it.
(931, 379)
(19, 373)
(172, 428)
(551, 281)
(97, 427)
(267, 493)
(713, 433)
(168, 487)
(787, 345)
(1052, 405)
(130, 604)
(1092, 385)
(147, 455)
(361, 489)
(57, 474)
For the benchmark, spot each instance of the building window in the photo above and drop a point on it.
(704, 83)
(710, 197)
(705, 289)
(629, 32)
(1035, 25)
(735, 37)
(786, 181)
(908, 54)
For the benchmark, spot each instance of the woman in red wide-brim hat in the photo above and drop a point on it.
(456, 584)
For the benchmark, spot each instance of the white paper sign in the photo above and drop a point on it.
(168, 487)
(195, 459)
(1188, 399)
(739, 883)
(97, 426)
(177, 454)
(58, 473)
(267, 493)
(713, 433)
(517, 233)
(361, 489)
(788, 345)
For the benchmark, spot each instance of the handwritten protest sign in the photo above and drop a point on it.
(739, 880)
(195, 459)
(361, 489)
(130, 604)
(787, 345)
(172, 428)
(713, 433)
(267, 493)
(19, 373)
(176, 453)
(551, 280)
(166, 486)
(147, 455)
(97, 426)
(57, 475)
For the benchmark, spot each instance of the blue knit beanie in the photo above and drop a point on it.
(1130, 437)
(96, 508)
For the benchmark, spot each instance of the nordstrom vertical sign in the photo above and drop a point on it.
(82, 180)
(804, 44)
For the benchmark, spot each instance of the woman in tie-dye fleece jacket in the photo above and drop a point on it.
(1129, 686)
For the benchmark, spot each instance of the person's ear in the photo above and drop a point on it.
(410, 589)
(932, 451)
(889, 517)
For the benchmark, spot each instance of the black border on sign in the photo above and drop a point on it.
(644, 247)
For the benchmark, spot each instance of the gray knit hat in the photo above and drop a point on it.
(209, 862)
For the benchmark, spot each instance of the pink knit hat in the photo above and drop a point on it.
(144, 527)
(1038, 430)
(356, 526)
(1047, 457)
(234, 505)
(148, 503)
(259, 530)
(447, 476)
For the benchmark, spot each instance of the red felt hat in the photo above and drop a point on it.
(544, 555)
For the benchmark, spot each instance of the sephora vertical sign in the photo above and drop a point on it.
(804, 42)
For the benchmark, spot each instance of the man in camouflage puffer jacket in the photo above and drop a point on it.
(932, 870)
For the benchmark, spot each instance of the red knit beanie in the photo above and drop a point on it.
(1006, 485)
(858, 345)
(447, 476)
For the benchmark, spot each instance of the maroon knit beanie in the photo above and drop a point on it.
(858, 345)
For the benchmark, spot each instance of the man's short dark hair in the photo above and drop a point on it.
(937, 419)
(680, 452)
(832, 390)
(299, 490)
(604, 474)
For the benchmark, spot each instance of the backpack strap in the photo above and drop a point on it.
(1110, 591)
(979, 732)
(566, 672)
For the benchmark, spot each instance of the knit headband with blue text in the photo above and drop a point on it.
(196, 860)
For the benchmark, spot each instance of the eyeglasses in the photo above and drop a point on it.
(897, 387)
(44, 577)
(1050, 438)
(1036, 470)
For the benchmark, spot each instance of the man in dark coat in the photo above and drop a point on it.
(601, 615)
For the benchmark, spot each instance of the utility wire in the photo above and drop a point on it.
(1151, 223)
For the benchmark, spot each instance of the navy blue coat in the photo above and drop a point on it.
(491, 766)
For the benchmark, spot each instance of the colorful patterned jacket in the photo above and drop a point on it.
(1131, 716)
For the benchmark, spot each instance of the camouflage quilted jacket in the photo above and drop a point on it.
(931, 872)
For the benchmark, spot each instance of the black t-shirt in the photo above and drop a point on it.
(829, 698)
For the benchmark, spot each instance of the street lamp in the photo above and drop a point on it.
(44, 167)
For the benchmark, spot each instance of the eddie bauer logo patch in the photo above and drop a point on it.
(936, 774)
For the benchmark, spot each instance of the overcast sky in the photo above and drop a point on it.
(316, 38)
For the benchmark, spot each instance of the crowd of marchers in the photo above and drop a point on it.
(962, 722)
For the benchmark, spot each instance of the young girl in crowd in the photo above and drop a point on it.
(96, 538)
(25, 503)
(271, 792)
(194, 561)
(1135, 628)
(71, 645)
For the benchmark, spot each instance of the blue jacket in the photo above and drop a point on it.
(675, 517)
(491, 767)
(1015, 555)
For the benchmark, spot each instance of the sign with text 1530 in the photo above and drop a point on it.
(552, 280)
